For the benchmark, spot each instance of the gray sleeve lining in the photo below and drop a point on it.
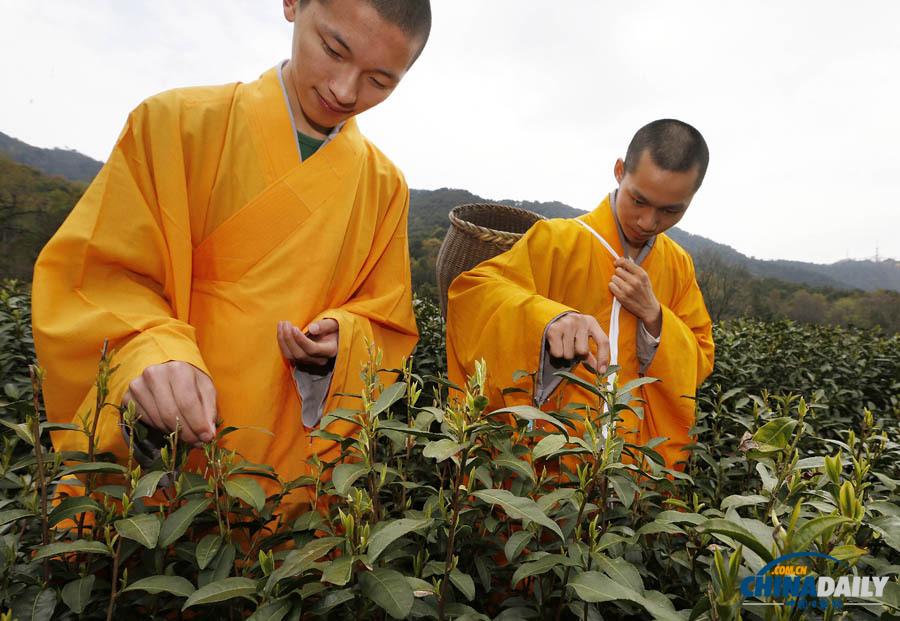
(546, 381)
(646, 345)
(313, 384)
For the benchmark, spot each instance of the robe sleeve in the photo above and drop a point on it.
(683, 359)
(380, 310)
(495, 312)
(118, 269)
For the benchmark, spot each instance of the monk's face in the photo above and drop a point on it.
(651, 200)
(345, 59)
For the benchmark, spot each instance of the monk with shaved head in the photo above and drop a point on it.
(237, 249)
(606, 288)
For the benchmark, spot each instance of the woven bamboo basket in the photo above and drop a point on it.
(479, 232)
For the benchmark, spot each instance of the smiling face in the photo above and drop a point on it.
(651, 200)
(345, 59)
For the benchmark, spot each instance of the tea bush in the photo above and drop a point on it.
(444, 510)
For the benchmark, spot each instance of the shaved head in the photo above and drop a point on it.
(413, 17)
(672, 145)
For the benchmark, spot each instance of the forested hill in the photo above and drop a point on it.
(847, 274)
(429, 211)
(70, 164)
(32, 206)
(428, 223)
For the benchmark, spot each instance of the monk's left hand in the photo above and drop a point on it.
(631, 286)
(316, 346)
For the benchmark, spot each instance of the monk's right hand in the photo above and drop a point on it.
(570, 336)
(172, 394)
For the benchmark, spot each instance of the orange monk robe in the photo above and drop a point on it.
(201, 232)
(499, 311)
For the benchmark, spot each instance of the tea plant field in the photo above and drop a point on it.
(441, 509)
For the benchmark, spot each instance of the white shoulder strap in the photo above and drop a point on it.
(616, 306)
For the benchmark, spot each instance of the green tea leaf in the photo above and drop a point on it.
(148, 483)
(389, 589)
(530, 413)
(420, 588)
(847, 553)
(96, 467)
(77, 593)
(774, 436)
(719, 526)
(516, 543)
(625, 488)
(273, 611)
(70, 507)
(520, 467)
(621, 571)
(339, 570)
(70, 547)
(179, 520)
(548, 446)
(22, 430)
(540, 566)
(388, 397)
(518, 507)
(345, 475)
(442, 449)
(224, 562)
(464, 583)
(207, 549)
(594, 587)
(384, 537)
(740, 500)
(34, 604)
(176, 585)
(142, 528)
(805, 534)
(298, 561)
(635, 383)
(221, 591)
(12, 515)
(247, 490)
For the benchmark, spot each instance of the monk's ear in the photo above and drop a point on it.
(290, 9)
(619, 170)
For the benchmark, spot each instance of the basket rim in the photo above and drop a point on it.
(488, 234)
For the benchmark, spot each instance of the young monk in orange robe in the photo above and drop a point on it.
(610, 274)
(238, 247)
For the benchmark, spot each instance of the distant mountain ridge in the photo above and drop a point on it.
(429, 209)
(67, 163)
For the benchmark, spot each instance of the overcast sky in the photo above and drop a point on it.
(534, 100)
